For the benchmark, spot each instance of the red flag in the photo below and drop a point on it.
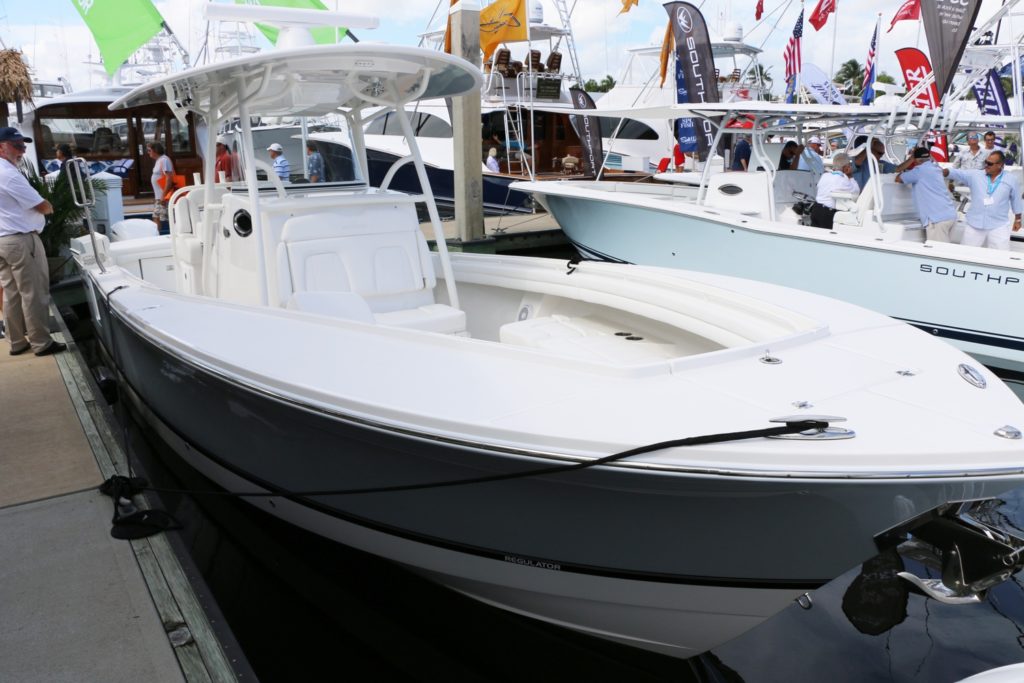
(938, 146)
(911, 9)
(916, 68)
(819, 15)
(759, 10)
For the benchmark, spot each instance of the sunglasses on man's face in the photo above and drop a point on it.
(20, 146)
(992, 163)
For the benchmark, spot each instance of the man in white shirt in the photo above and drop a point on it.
(838, 180)
(24, 273)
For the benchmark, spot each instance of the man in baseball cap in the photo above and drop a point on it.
(24, 273)
(12, 135)
(224, 166)
(281, 166)
(810, 157)
(935, 207)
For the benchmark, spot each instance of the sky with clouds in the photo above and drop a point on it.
(57, 43)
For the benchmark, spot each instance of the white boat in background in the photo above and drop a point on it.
(525, 107)
(741, 78)
(110, 142)
(875, 256)
(515, 429)
(1013, 673)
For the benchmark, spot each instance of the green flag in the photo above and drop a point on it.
(322, 35)
(119, 27)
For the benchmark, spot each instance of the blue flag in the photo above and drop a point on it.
(686, 136)
(990, 95)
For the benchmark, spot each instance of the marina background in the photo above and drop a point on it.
(57, 43)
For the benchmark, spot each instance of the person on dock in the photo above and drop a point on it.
(839, 179)
(224, 166)
(934, 204)
(994, 194)
(163, 184)
(282, 168)
(314, 163)
(24, 273)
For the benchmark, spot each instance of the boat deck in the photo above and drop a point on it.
(79, 604)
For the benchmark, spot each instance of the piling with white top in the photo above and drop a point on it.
(469, 199)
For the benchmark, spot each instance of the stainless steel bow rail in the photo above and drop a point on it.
(83, 194)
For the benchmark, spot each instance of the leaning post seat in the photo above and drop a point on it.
(370, 264)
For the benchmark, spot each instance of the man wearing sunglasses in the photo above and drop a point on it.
(993, 195)
(24, 274)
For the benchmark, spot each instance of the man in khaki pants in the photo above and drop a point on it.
(24, 274)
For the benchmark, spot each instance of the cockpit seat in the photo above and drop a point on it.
(382, 263)
(347, 305)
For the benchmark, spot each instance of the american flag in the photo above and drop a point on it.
(868, 93)
(792, 53)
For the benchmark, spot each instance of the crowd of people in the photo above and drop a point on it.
(980, 167)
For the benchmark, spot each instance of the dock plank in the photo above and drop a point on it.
(39, 432)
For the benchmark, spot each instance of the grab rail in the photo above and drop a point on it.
(83, 194)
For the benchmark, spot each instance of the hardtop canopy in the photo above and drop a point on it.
(311, 81)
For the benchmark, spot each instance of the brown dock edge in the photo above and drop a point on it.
(193, 640)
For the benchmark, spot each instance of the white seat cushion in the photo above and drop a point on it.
(378, 271)
(429, 318)
(347, 305)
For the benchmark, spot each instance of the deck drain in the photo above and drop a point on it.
(623, 334)
(634, 338)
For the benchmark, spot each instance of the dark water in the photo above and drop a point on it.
(305, 609)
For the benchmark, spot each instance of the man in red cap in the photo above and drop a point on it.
(24, 273)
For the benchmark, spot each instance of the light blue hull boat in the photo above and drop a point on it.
(970, 296)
